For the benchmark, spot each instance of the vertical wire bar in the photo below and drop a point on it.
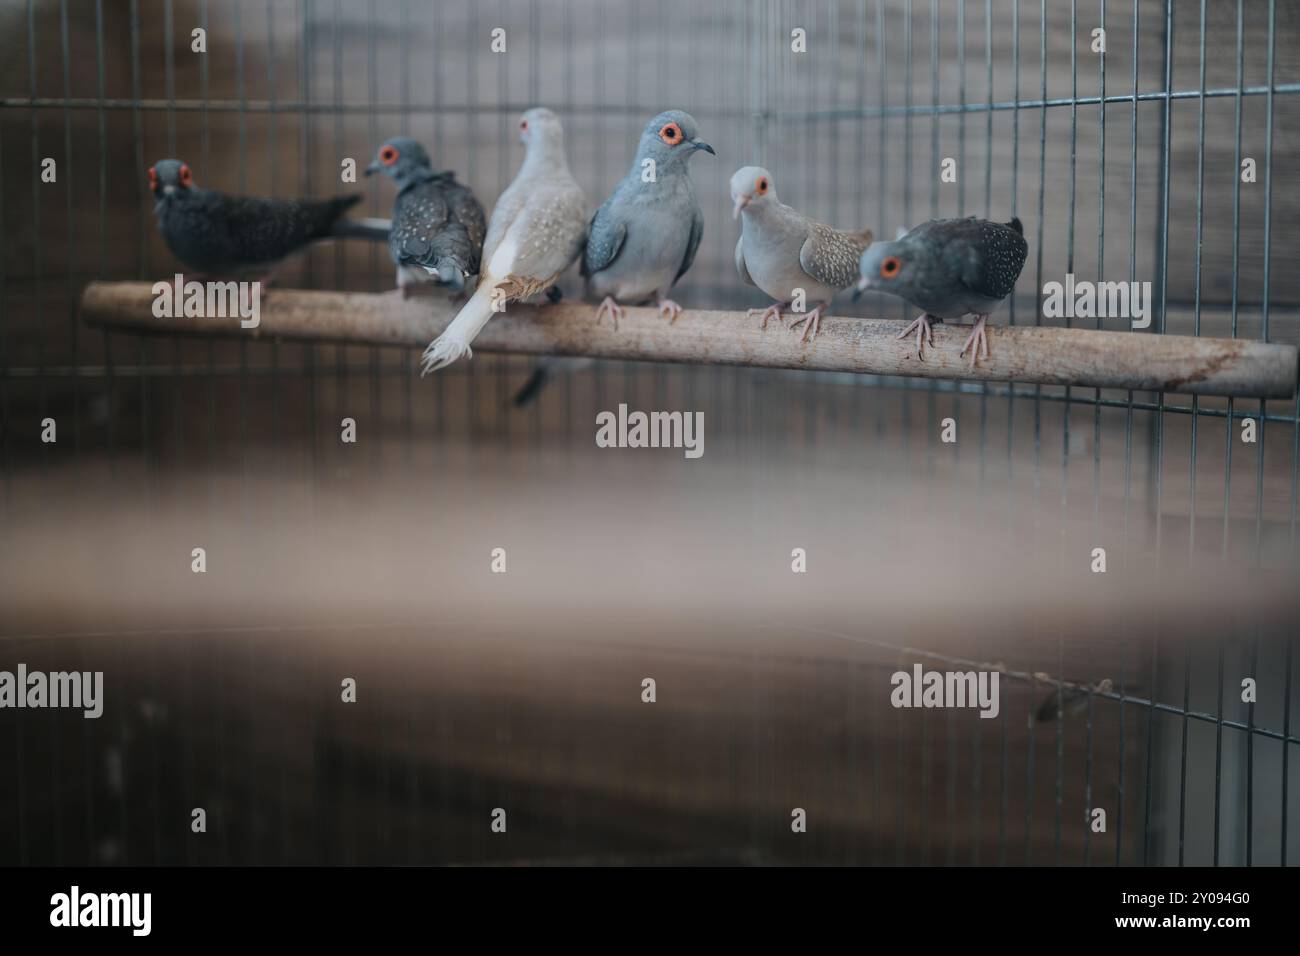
(935, 158)
(1128, 419)
(38, 285)
(1038, 266)
(1250, 756)
(69, 279)
(1182, 773)
(109, 385)
(372, 90)
(1218, 756)
(1065, 412)
(1101, 267)
(1196, 296)
(1119, 776)
(5, 467)
(907, 192)
(1029, 774)
(205, 157)
(169, 87)
(146, 433)
(988, 205)
(566, 33)
(1151, 713)
(1096, 420)
(1286, 746)
(273, 152)
(1263, 334)
(306, 14)
(340, 258)
(1263, 328)
(241, 94)
(468, 373)
(1162, 266)
(408, 398)
(1236, 258)
(1015, 194)
(1038, 319)
(1087, 780)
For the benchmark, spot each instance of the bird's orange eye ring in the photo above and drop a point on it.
(187, 177)
(761, 185)
(889, 268)
(388, 155)
(153, 178)
(671, 134)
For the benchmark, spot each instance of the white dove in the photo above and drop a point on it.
(537, 229)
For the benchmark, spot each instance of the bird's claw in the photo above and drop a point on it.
(811, 322)
(669, 309)
(977, 342)
(924, 333)
(772, 311)
(611, 308)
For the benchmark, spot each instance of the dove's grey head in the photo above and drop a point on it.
(670, 139)
(893, 267)
(167, 177)
(402, 158)
(752, 188)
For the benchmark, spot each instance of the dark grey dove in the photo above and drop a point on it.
(438, 225)
(949, 268)
(230, 236)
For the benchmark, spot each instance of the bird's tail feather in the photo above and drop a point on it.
(455, 339)
(548, 369)
(533, 387)
(376, 229)
(448, 272)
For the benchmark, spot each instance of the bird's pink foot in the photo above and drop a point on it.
(773, 311)
(611, 308)
(977, 341)
(670, 310)
(811, 322)
(924, 333)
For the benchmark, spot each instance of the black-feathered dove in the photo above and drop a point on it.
(536, 231)
(782, 251)
(231, 236)
(644, 238)
(438, 225)
(949, 268)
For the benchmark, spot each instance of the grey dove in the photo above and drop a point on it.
(644, 237)
(437, 227)
(535, 233)
(232, 236)
(781, 251)
(949, 268)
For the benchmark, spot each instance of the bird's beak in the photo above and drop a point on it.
(700, 144)
(863, 285)
(168, 189)
(741, 202)
(373, 167)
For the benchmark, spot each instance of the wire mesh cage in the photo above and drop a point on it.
(1137, 142)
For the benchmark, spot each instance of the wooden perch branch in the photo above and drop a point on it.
(1023, 354)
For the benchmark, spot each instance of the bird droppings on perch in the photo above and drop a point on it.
(1035, 355)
